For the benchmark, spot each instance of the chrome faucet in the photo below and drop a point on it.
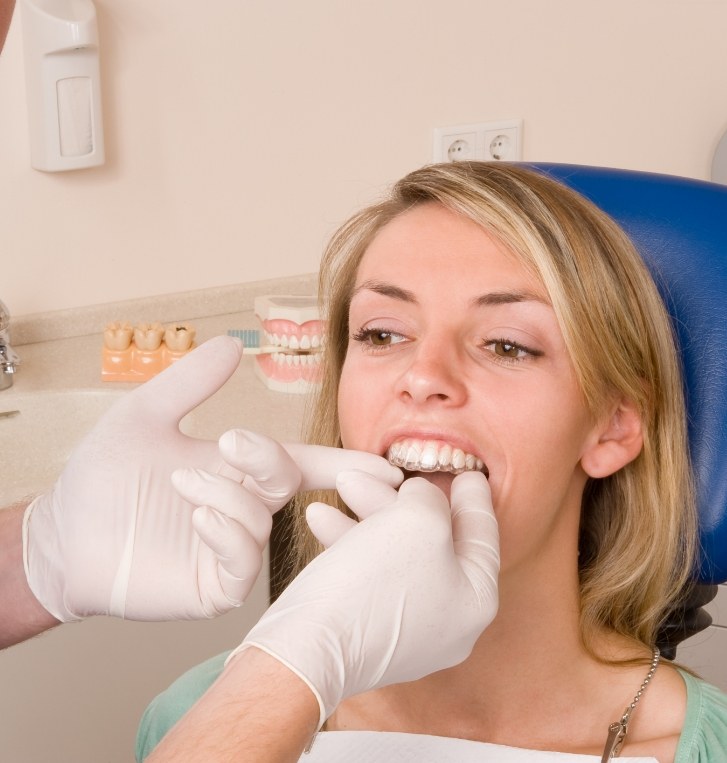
(9, 359)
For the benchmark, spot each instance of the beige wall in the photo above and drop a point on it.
(239, 134)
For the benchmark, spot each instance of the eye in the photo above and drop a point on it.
(377, 338)
(508, 351)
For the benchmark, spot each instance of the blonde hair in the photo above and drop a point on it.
(638, 526)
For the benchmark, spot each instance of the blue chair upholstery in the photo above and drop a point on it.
(680, 228)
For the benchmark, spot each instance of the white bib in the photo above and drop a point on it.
(385, 746)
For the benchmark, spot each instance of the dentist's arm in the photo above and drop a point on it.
(23, 615)
(354, 619)
(257, 710)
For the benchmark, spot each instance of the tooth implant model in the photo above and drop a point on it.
(137, 353)
(293, 334)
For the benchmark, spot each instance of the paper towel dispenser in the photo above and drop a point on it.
(62, 76)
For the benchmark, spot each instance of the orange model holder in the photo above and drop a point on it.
(135, 365)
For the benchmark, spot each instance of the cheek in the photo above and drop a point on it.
(546, 456)
(541, 437)
(364, 404)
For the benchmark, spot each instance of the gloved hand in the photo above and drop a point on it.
(113, 535)
(235, 520)
(403, 593)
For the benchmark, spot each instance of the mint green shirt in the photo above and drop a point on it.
(704, 734)
(703, 738)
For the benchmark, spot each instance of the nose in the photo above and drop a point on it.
(433, 375)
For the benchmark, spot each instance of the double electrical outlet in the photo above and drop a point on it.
(485, 141)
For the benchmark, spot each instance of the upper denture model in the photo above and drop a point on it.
(292, 323)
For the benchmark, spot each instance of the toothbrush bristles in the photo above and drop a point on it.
(248, 337)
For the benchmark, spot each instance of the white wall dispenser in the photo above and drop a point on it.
(62, 76)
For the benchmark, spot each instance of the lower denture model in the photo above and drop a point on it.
(292, 326)
(137, 353)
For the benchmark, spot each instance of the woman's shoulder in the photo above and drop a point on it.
(169, 706)
(704, 735)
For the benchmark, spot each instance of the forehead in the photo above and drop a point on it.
(432, 244)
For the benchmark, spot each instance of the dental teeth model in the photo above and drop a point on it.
(432, 456)
(290, 359)
(137, 353)
(148, 336)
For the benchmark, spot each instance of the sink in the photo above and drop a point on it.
(39, 430)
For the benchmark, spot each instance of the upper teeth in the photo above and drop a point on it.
(432, 456)
(291, 341)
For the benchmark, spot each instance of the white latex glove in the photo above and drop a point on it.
(403, 593)
(113, 535)
(235, 519)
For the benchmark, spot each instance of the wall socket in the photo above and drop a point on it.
(484, 141)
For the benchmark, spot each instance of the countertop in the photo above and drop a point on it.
(62, 352)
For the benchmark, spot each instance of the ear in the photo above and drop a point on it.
(617, 440)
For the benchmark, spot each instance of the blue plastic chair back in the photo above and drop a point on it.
(680, 228)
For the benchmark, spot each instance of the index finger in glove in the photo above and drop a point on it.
(320, 465)
(227, 575)
(420, 495)
(474, 530)
(363, 493)
(270, 473)
(327, 523)
(228, 498)
(177, 390)
(472, 512)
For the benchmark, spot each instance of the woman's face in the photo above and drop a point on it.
(455, 360)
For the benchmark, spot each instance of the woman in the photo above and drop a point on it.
(484, 318)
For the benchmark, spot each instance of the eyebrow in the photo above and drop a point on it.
(490, 299)
(386, 290)
(508, 298)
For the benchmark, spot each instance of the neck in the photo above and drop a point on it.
(536, 635)
(529, 663)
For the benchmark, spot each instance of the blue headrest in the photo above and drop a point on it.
(680, 228)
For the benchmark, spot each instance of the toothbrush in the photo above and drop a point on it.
(251, 344)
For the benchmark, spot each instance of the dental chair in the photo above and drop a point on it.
(680, 228)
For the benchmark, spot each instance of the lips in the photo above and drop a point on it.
(432, 455)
